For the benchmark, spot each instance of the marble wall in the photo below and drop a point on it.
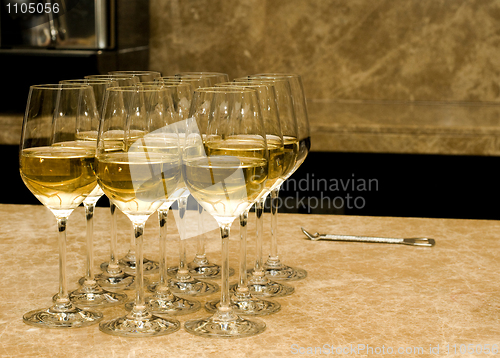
(445, 50)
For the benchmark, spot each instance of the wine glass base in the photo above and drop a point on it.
(94, 296)
(251, 306)
(171, 306)
(267, 288)
(120, 282)
(128, 265)
(213, 327)
(146, 326)
(192, 287)
(284, 273)
(210, 271)
(71, 318)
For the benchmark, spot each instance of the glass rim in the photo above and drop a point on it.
(193, 76)
(275, 74)
(222, 89)
(86, 80)
(181, 79)
(137, 88)
(172, 83)
(263, 79)
(244, 84)
(201, 73)
(135, 72)
(60, 86)
(111, 77)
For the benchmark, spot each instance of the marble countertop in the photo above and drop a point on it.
(11, 125)
(405, 127)
(380, 127)
(377, 295)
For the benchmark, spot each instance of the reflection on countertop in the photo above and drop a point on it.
(461, 128)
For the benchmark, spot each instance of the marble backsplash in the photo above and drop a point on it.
(422, 50)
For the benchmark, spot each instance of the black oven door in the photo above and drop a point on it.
(59, 24)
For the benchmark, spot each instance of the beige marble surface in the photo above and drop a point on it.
(405, 127)
(11, 125)
(442, 50)
(355, 293)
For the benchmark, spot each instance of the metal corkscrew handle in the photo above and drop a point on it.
(386, 240)
(417, 241)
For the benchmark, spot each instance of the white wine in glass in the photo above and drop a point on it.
(225, 167)
(91, 293)
(274, 268)
(60, 176)
(138, 179)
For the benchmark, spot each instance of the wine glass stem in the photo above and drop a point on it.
(162, 217)
(274, 225)
(113, 240)
(89, 218)
(259, 211)
(225, 298)
(63, 285)
(139, 295)
(113, 265)
(133, 245)
(183, 271)
(200, 252)
(243, 279)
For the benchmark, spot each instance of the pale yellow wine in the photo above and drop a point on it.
(291, 145)
(138, 182)
(247, 146)
(60, 177)
(225, 186)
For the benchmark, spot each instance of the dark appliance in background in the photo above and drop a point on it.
(45, 41)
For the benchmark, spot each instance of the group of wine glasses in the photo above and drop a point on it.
(147, 142)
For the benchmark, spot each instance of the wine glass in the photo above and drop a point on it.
(129, 261)
(225, 183)
(143, 76)
(273, 266)
(200, 267)
(163, 301)
(260, 284)
(90, 293)
(114, 277)
(61, 177)
(214, 77)
(244, 299)
(138, 179)
(182, 281)
(118, 273)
